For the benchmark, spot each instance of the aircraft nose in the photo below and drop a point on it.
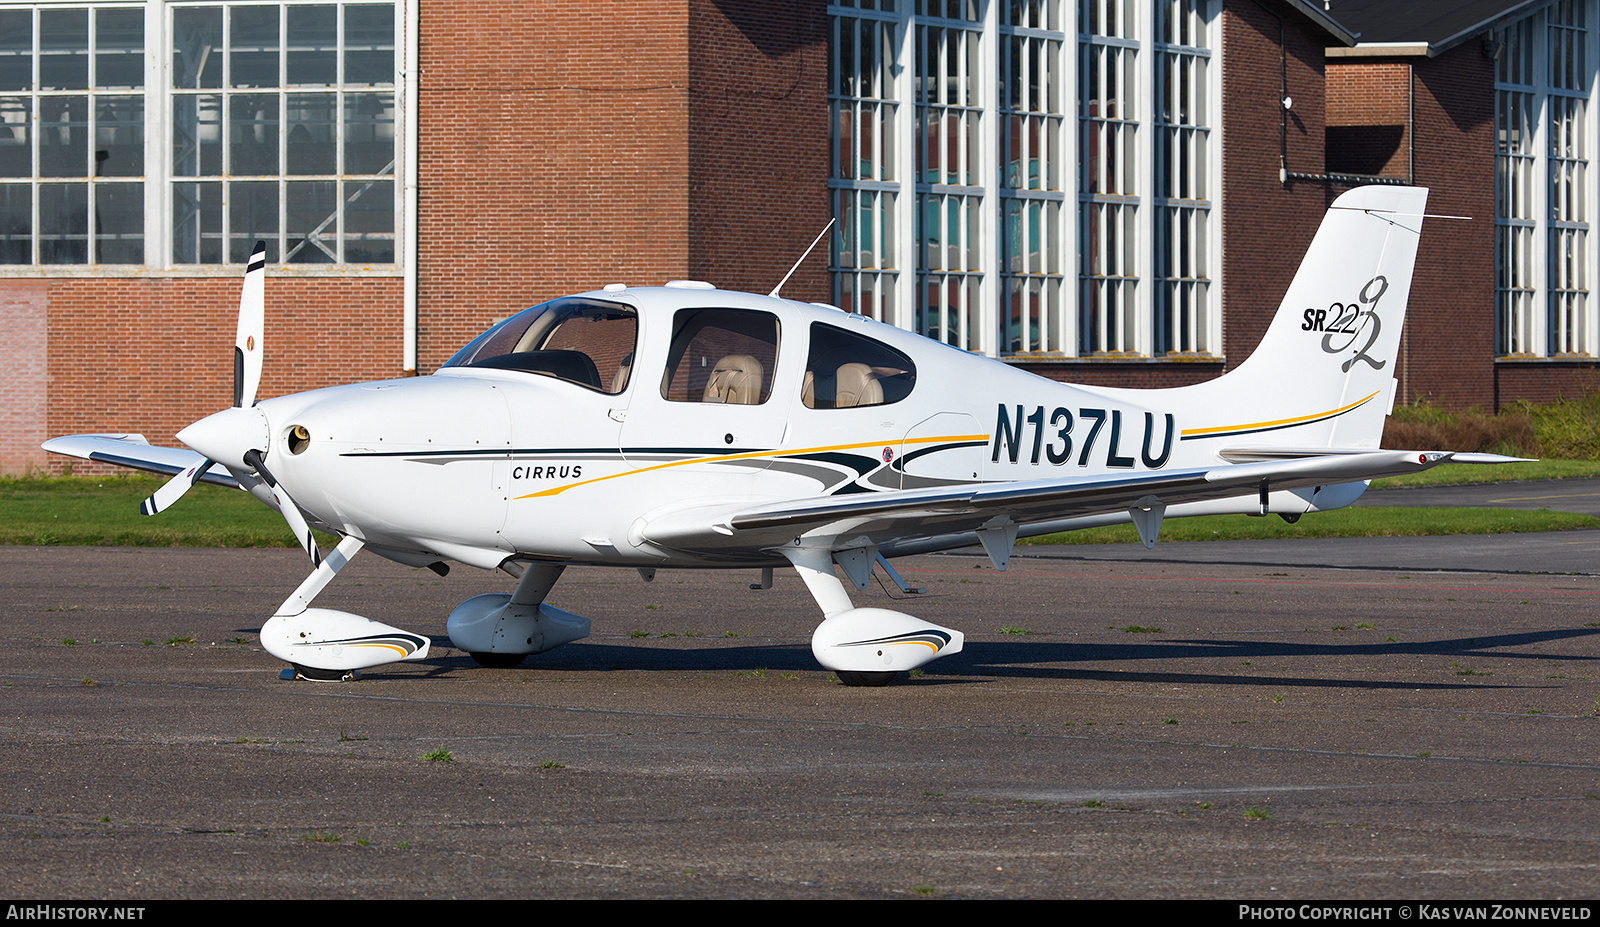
(225, 436)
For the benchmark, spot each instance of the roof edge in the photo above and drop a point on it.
(1358, 49)
(1315, 13)
(1504, 16)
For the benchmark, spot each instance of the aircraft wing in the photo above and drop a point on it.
(896, 518)
(135, 452)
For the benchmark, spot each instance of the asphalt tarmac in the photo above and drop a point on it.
(1361, 723)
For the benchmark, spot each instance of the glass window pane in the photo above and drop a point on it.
(197, 223)
(369, 44)
(63, 137)
(119, 223)
(369, 133)
(197, 47)
(16, 50)
(119, 48)
(313, 45)
(311, 220)
(312, 146)
(16, 154)
(252, 216)
(63, 49)
(253, 46)
(253, 134)
(119, 136)
(197, 135)
(63, 223)
(16, 223)
(369, 222)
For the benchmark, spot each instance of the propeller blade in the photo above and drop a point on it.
(297, 524)
(287, 506)
(252, 321)
(172, 490)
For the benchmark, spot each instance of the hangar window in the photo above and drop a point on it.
(283, 129)
(1544, 197)
(179, 133)
(72, 143)
(589, 342)
(976, 207)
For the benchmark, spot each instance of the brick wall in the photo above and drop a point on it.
(24, 354)
(554, 157)
(758, 144)
(1369, 116)
(1267, 225)
(1447, 356)
(1543, 381)
(152, 355)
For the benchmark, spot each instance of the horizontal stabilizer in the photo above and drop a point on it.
(1258, 454)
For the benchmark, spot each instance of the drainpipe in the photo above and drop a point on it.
(408, 220)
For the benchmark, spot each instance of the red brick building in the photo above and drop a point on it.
(1115, 191)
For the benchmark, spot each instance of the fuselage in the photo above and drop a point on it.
(723, 399)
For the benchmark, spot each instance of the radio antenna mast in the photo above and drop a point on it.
(801, 261)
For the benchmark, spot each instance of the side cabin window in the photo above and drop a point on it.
(721, 355)
(845, 370)
(589, 342)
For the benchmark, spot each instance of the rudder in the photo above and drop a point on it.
(1324, 372)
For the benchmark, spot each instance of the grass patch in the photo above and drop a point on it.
(104, 512)
(1367, 522)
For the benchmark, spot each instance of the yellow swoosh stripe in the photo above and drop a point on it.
(751, 455)
(1279, 423)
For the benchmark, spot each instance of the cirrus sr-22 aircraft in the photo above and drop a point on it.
(687, 426)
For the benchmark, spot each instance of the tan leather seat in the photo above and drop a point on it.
(735, 379)
(857, 385)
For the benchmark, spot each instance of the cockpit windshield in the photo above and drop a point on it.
(589, 342)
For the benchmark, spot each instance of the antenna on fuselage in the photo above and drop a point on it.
(801, 261)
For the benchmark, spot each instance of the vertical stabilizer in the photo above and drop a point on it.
(1324, 373)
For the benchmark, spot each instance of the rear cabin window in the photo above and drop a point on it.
(589, 342)
(845, 370)
(721, 356)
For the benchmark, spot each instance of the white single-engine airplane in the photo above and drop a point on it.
(686, 426)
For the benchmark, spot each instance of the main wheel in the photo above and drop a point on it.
(321, 675)
(497, 660)
(859, 678)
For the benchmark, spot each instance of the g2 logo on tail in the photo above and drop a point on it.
(1344, 324)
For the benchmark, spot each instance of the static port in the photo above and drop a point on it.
(299, 439)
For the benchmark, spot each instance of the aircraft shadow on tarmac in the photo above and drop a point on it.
(1042, 660)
